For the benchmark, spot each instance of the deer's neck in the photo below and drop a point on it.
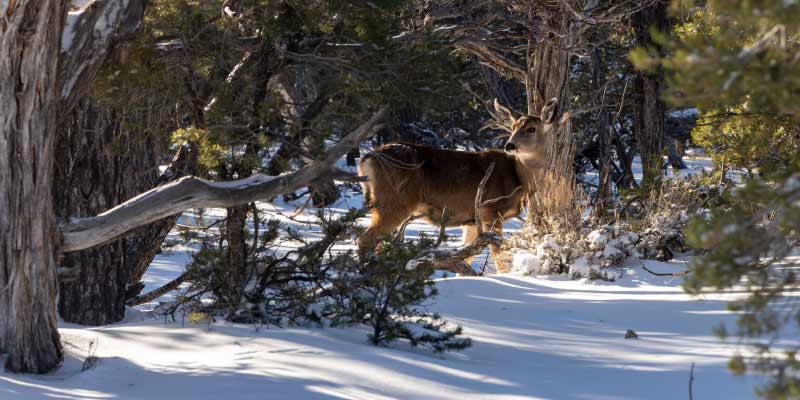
(525, 172)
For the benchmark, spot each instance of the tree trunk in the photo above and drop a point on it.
(603, 128)
(650, 109)
(547, 74)
(106, 167)
(144, 243)
(625, 177)
(548, 59)
(675, 153)
(237, 267)
(29, 47)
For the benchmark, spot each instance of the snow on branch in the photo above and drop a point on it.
(193, 192)
(90, 29)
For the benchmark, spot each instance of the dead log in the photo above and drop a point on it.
(191, 192)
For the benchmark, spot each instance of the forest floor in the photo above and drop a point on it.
(533, 337)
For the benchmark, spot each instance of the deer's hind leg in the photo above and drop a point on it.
(390, 204)
(384, 221)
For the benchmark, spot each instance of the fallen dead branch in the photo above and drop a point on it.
(679, 273)
(453, 259)
(152, 295)
(191, 192)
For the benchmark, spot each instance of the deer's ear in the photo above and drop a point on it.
(504, 112)
(548, 114)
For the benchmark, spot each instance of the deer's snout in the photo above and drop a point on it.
(510, 147)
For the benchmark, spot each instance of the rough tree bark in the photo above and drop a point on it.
(29, 48)
(40, 83)
(547, 77)
(650, 109)
(548, 58)
(106, 166)
(238, 264)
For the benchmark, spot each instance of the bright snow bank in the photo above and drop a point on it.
(532, 338)
(593, 257)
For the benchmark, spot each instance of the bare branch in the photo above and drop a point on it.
(479, 197)
(453, 259)
(192, 192)
(679, 273)
(346, 176)
(492, 58)
(152, 295)
(496, 200)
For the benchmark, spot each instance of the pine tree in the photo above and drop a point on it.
(737, 62)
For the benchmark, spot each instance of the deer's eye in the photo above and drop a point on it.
(531, 130)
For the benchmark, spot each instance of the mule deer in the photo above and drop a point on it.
(406, 179)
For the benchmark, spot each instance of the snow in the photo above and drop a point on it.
(69, 29)
(104, 25)
(413, 264)
(697, 162)
(597, 239)
(525, 263)
(244, 183)
(534, 337)
(685, 112)
(581, 267)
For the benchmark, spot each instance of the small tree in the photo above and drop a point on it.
(388, 293)
(737, 62)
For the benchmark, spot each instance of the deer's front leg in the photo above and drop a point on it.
(469, 235)
(500, 263)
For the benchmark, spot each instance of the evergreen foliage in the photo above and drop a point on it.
(737, 62)
(388, 294)
(313, 284)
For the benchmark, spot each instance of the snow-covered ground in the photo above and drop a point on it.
(533, 337)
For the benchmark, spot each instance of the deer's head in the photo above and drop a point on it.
(529, 132)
